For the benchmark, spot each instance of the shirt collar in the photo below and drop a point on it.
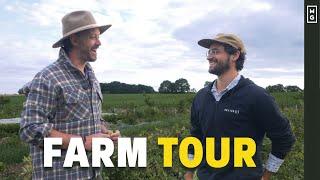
(231, 85)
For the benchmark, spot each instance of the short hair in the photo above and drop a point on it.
(67, 45)
(232, 50)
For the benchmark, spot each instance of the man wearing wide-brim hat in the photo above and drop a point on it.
(233, 106)
(64, 100)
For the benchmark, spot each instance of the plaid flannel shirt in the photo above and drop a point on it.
(60, 97)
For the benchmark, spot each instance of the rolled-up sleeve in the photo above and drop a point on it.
(38, 109)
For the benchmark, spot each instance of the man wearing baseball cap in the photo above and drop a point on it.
(64, 100)
(233, 106)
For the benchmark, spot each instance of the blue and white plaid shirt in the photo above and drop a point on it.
(60, 97)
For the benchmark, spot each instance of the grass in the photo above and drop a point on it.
(13, 108)
(151, 116)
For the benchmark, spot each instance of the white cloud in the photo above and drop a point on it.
(284, 80)
(140, 46)
(278, 70)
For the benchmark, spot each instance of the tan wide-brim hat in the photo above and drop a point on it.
(78, 21)
(230, 39)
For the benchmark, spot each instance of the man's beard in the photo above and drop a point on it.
(85, 55)
(220, 67)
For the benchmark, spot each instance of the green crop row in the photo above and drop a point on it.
(151, 116)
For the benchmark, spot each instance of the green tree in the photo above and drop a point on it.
(182, 85)
(276, 88)
(193, 90)
(118, 87)
(293, 89)
(206, 83)
(166, 87)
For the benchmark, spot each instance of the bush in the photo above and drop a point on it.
(181, 106)
(8, 129)
(9, 153)
(2, 166)
(149, 102)
(4, 100)
(27, 167)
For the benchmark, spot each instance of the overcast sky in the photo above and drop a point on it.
(152, 41)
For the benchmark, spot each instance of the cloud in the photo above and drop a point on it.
(272, 33)
(151, 41)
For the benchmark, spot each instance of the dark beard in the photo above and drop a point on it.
(84, 54)
(220, 68)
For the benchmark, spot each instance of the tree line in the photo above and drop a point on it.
(118, 87)
(179, 86)
(281, 88)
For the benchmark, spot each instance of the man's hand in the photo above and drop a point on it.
(188, 175)
(266, 175)
(88, 143)
(115, 135)
(104, 128)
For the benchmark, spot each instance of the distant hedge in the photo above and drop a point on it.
(116, 87)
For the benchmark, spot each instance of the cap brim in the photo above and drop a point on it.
(60, 42)
(206, 43)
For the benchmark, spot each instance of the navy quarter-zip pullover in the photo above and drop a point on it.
(246, 110)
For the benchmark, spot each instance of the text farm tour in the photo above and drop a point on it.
(132, 152)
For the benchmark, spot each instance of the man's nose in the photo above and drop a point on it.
(210, 57)
(98, 42)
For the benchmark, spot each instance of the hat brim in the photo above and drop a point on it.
(206, 43)
(102, 30)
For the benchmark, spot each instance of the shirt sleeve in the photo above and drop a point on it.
(273, 163)
(37, 111)
(276, 126)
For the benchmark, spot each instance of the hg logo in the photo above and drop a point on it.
(312, 14)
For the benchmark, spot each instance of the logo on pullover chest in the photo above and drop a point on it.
(235, 111)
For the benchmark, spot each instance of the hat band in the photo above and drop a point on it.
(81, 29)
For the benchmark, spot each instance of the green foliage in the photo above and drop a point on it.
(293, 89)
(182, 85)
(179, 86)
(118, 87)
(281, 88)
(289, 100)
(12, 107)
(12, 149)
(8, 129)
(206, 83)
(2, 166)
(27, 167)
(149, 102)
(166, 87)
(276, 88)
(151, 116)
(182, 106)
(293, 165)
(4, 100)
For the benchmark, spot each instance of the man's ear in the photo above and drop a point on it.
(74, 40)
(235, 56)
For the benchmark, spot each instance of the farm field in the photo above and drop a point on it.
(151, 116)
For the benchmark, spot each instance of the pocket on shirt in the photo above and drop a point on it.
(77, 105)
(75, 96)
